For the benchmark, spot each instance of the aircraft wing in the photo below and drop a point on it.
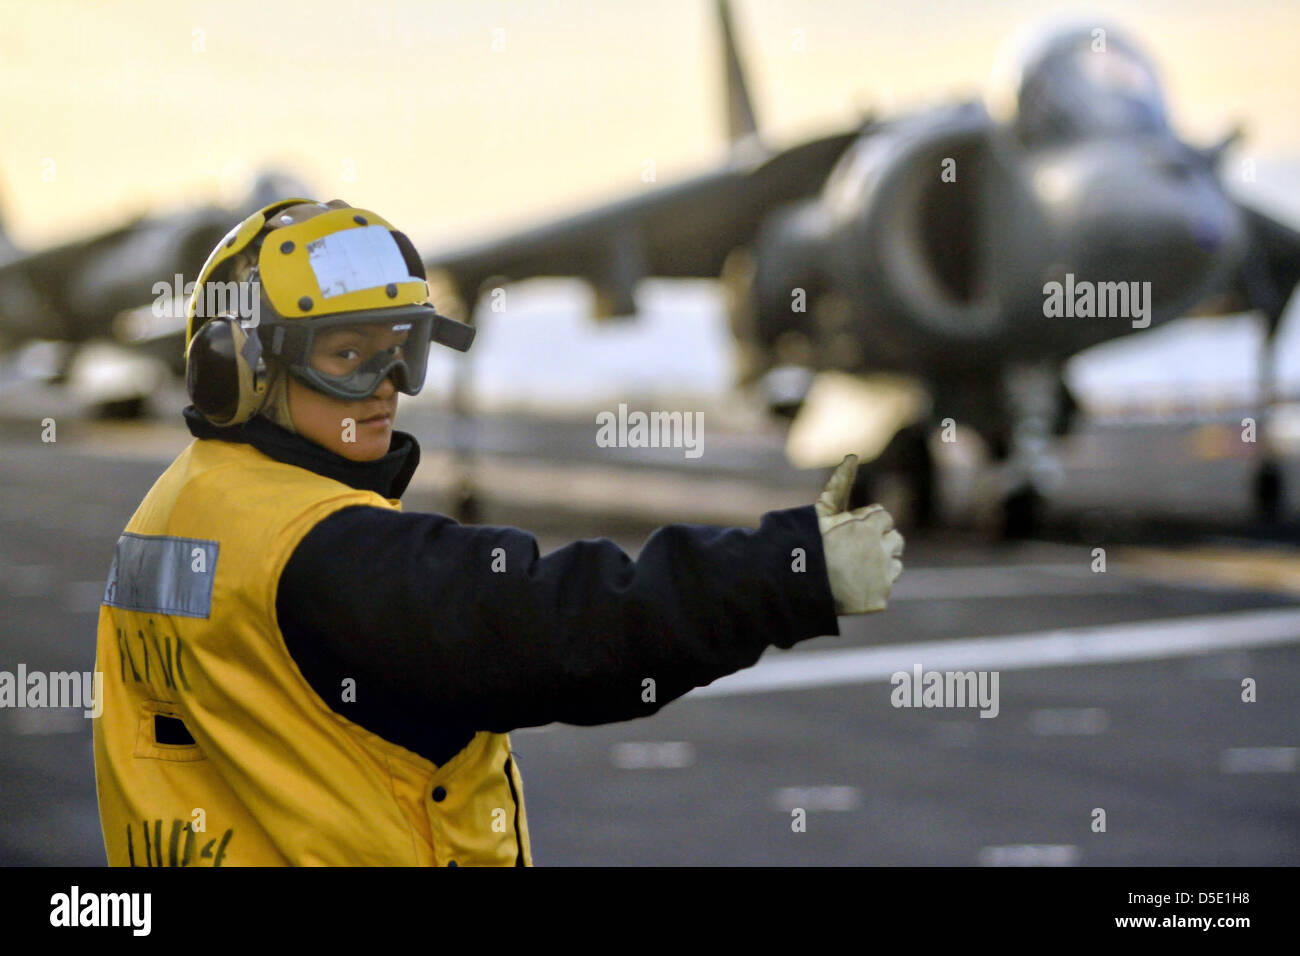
(681, 230)
(33, 287)
(73, 291)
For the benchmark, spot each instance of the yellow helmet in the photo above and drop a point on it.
(334, 294)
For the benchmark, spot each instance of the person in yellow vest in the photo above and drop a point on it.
(299, 673)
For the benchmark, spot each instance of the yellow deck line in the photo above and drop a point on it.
(1276, 570)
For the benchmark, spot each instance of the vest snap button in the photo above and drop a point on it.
(439, 794)
(451, 862)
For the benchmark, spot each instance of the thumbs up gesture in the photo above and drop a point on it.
(863, 551)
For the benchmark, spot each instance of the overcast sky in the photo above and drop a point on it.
(405, 107)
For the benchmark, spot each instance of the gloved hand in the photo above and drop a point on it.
(863, 550)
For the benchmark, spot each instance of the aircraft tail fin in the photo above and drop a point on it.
(741, 123)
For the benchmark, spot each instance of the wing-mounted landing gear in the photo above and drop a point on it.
(1268, 492)
(1268, 281)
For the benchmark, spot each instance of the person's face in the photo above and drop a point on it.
(357, 430)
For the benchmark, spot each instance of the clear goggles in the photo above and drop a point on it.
(348, 356)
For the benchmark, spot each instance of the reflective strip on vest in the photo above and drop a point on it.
(162, 575)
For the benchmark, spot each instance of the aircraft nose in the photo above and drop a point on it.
(1142, 211)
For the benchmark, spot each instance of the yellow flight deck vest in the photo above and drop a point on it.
(212, 749)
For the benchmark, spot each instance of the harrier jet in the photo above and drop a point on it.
(968, 250)
(100, 288)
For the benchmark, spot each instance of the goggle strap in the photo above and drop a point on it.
(252, 349)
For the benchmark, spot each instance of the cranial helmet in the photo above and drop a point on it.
(335, 295)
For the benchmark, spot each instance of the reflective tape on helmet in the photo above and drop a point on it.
(356, 259)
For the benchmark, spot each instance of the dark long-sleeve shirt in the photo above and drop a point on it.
(449, 629)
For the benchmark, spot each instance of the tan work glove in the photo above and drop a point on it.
(863, 550)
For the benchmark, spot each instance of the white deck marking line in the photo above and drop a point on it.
(1139, 641)
(1015, 580)
(1259, 759)
(836, 799)
(1030, 854)
(668, 755)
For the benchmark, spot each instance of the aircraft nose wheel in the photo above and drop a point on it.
(902, 479)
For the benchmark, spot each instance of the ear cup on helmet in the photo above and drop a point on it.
(222, 385)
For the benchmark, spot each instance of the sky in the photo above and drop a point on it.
(452, 119)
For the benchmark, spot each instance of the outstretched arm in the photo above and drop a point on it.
(448, 625)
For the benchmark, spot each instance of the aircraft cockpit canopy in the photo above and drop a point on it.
(1078, 83)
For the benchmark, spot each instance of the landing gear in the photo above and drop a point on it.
(123, 409)
(465, 505)
(1022, 513)
(902, 479)
(1040, 409)
(1268, 492)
